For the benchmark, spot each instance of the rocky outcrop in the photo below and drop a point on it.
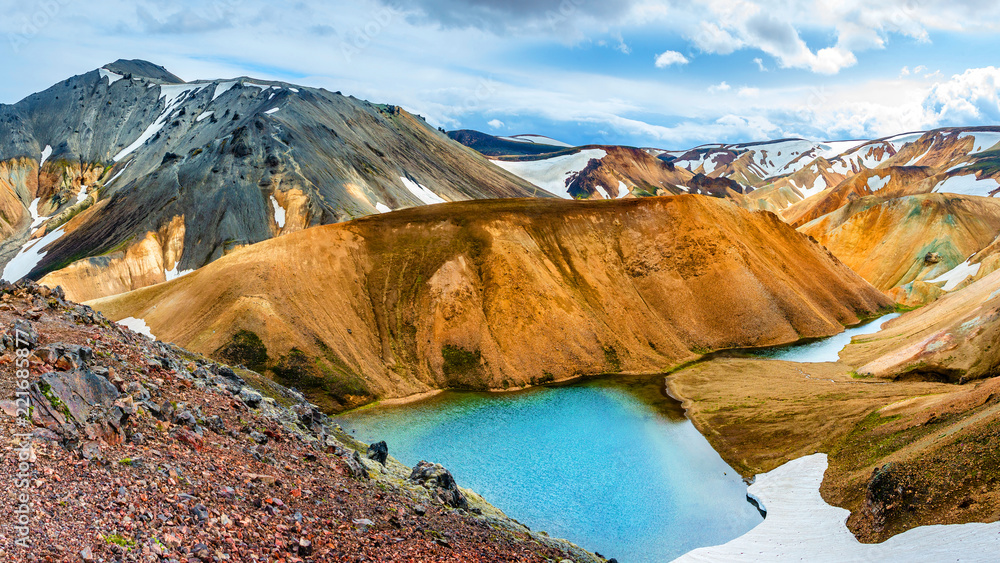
(158, 439)
(503, 294)
(952, 339)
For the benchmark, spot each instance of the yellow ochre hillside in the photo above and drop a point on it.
(507, 293)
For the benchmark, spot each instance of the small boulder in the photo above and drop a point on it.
(250, 397)
(435, 477)
(378, 452)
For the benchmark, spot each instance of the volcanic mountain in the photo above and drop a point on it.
(129, 175)
(503, 294)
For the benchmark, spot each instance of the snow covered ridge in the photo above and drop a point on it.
(767, 160)
(801, 526)
(536, 139)
(551, 174)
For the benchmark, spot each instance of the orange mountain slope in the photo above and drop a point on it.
(507, 293)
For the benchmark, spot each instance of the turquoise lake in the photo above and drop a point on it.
(611, 465)
(825, 349)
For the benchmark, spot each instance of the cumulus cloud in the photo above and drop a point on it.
(721, 87)
(970, 98)
(668, 58)
(496, 124)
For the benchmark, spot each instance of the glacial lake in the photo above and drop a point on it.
(610, 464)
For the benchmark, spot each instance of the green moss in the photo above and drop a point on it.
(245, 348)
(611, 359)
(55, 401)
(459, 361)
(119, 540)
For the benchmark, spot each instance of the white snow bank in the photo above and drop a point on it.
(116, 176)
(801, 526)
(622, 190)
(111, 76)
(967, 185)
(957, 275)
(272, 110)
(223, 87)
(279, 213)
(46, 153)
(174, 274)
(876, 183)
(382, 208)
(983, 140)
(422, 193)
(551, 174)
(29, 256)
(137, 326)
(36, 219)
(205, 116)
(173, 95)
(295, 90)
(82, 195)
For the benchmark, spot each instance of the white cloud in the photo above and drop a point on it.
(496, 124)
(904, 72)
(668, 58)
(760, 64)
(748, 92)
(721, 87)
(970, 98)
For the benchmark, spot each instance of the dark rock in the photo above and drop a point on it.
(305, 547)
(185, 418)
(258, 437)
(419, 509)
(250, 397)
(355, 467)
(378, 452)
(21, 335)
(435, 477)
(932, 258)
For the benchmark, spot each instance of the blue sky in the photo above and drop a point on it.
(663, 73)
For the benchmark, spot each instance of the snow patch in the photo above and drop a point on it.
(296, 90)
(801, 526)
(422, 193)
(173, 95)
(29, 256)
(137, 326)
(622, 189)
(983, 140)
(957, 275)
(205, 115)
(967, 185)
(551, 174)
(876, 183)
(223, 87)
(82, 195)
(818, 185)
(46, 153)
(279, 213)
(174, 274)
(382, 208)
(111, 76)
(36, 220)
(272, 110)
(120, 172)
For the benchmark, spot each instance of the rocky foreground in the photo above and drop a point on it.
(135, 450)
